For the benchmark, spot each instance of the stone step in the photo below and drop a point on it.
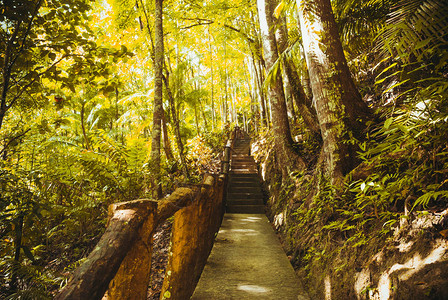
(245, 177)
(242, 156)
(245, 209)
(233, 195)
(240, 165)
(244, 167)
(244, 171)
(248, 177)
(240, 153)
(246, 201)
(251, 175)
(240, 183)
(254, 182)
(243, 161)
(245, 189)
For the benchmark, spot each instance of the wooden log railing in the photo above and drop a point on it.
(119, 266)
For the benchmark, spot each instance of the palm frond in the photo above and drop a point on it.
(292, 51)
(417, 27)
(359, 21)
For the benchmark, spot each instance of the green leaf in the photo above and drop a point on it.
(388, 123)
(386, 69)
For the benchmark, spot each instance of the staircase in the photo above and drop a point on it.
(247, 261)
(244, 190)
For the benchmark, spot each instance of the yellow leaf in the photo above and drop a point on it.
(278, 10)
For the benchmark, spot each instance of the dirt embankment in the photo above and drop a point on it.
(409, 261)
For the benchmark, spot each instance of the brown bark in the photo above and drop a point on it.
(91, 279)
(6, 72)
(282, 39)
(158, 97)
(292, 117)
(337, 101)
(289, 160)
(17, 247)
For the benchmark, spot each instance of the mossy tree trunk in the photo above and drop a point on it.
(289, 160)
(340, 109)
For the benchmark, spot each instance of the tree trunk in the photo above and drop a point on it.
(204, 116)
(267, 113)
(293, 87)
(303, 103)
(158, 95)
(175, 119)
(289, 160)
(263, 115)
(166, 140)
(340, 109)
(292, 117)
(282, 39)
(212, 78)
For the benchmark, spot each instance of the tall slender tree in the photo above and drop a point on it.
(282, 134)
(293, 85)
(158, 97)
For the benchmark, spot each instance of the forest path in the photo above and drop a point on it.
(247, 260)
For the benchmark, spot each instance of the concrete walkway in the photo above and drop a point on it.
(247, 262)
